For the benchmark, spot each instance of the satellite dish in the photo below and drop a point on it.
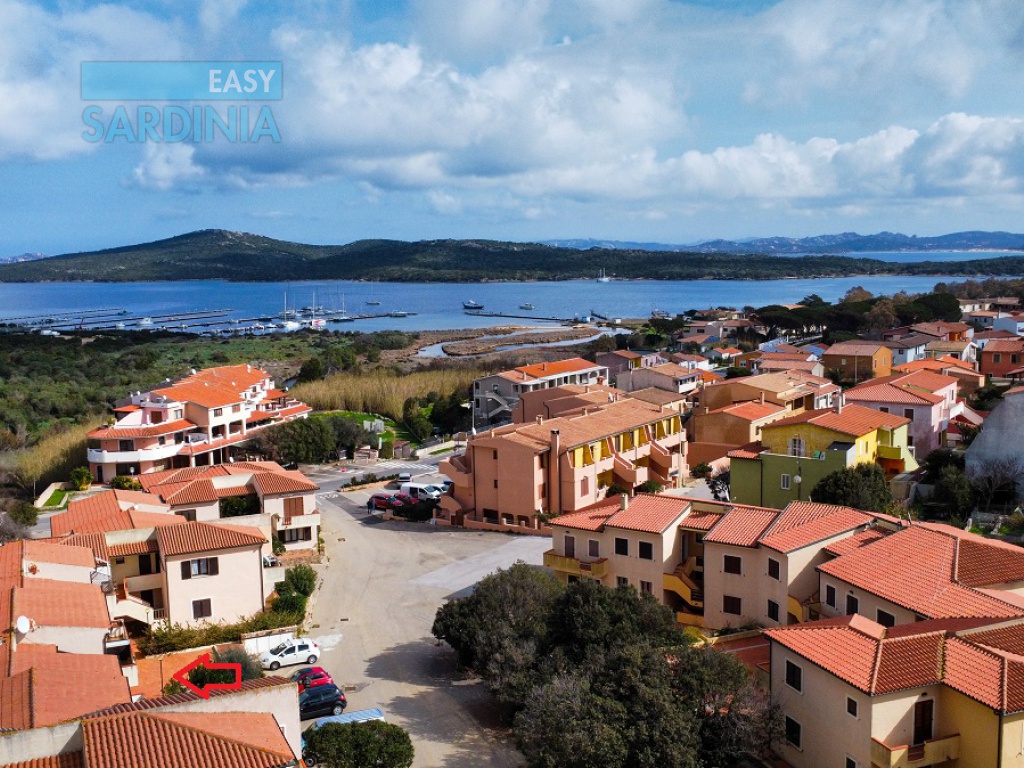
(23, 625)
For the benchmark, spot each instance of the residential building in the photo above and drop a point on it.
(796, 452)
(945, 331)
(928, 399)
(197, 421)
(858, 360)
(1014, 323)
(690, 361)
(671, 377)
(794, 390)
(495, 396)
(981, 318)
(962, 350)
(1000, 357)
(907, 349)
(621, 360)
(554, 401)
(702, 342)
(970, 380)
(999, 446)
(510, 475)
(981, 338)
(664, 398)
(781, 362)
(255, 727)
(724, 354)
(162, 567)
(736, 424)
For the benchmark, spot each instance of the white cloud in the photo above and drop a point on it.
(217, 15)
(166, 166)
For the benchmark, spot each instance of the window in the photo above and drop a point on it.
(203, 566)
(188, 514)
(794, 676)
(851, 763)
(646, 587)
(621, 581)
(996, 357)
(732, 564)
(126, 445)
(784, 482)
(797, 446)
(594, 548)
(202, 609)
(852, 605)
(793, 732)
(909, 413)
(884, 408)
(290, 535)
(830, 596)
(773, 568)
(851, 707)
(886, 619)
(773, 610)
(732, 605)
(494, 455)
(622, 547)
(293, 507)
(584, 486)
(218, 411)
(646, 550)
(236, 408)
(495, 483)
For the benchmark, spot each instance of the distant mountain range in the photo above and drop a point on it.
(846, 242)
(220, 254)
(22, 257)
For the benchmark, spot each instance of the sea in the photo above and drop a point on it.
(424, 306)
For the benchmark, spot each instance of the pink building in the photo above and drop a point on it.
(192, 422)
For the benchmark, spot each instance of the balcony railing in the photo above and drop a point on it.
(596, 567)
(680, 583)
(932, 752)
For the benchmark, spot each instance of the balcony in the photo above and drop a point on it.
(681, 584)
(596, 568)
(139, 583)
(156, 453)
(893, 452)
(306, 520)
(662, 457)
(631, 474)
(455, 468)
(931, 752)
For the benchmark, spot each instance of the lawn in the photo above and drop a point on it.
(398, 431)
(57, 498)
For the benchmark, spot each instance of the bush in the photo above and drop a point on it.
(289, 603)
(302, 578)
(178, 637)
(237, 506)
(24, 513)
(650, 486)
(355, 745)
(277, 544)
(702, 470)
(125, 483)
(81, 478)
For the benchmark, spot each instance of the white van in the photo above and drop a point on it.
(421, 491)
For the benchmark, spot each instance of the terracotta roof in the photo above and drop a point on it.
(16, 702)
(983, 562)
(855, 420)
(909, 342)
(936, 364)
(855, 348)
(95, 679)
(557, 368)
(97, 542)
(752, 410)
(649, 513)
(238, 377)
(914, 568)
(271, 681)
(61, 603)
(110, 511)
(154, 430)
(605, 421)
(1000, 334)
(708, 376)
(948, 346)
(202, 393)
(67, 760)
(53, 552)
(173, 740)
(591, 518)
(271, 483)
(891, 393)
(193, 537)
(803, 523)
(700, 521)
(856, 541)
(149, 479)
(787, 365)
(748, 451)
(657, 396)
(742, 526)
(133, 548)
(940, 328)
(274, 394)
(674, 370)
(1014, 345)
(197, 491)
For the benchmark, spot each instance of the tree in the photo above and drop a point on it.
(650, 486)
(81, 478)
(311, 370)
(201, 676)
(302, 578)
(939, 459)
(860, 487)
(881, 317)
(23, 513)
(856, 294)
(720, 484)
(995, 479)
(953, 495)
(701, 471)
(238, 506)
(125, 483)
(373, 744)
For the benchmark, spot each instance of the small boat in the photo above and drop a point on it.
(603, 278)
(661, 314)
(288, 325)
(527, 305)
(317, 323)
(120, 326)
(398, 313)
(372, 303)
(472, 305)
(146, 321)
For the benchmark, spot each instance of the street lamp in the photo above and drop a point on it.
(798, 480)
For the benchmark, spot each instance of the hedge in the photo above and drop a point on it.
(177, 637)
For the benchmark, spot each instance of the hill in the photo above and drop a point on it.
(219, 254)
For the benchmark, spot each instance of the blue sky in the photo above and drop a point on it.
(650, 120)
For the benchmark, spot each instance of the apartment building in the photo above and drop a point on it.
(907, 349)
(555, 401)
(621, 360)
(510, 475)
(196, 421)
(969, 379)
(736, 424)
(928, 399)
(495, 396)
(796, 391)
(796, 452)
(670, 377)
(1001, 358)
(857, 361)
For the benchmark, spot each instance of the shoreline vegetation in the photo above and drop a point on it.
(238, 257)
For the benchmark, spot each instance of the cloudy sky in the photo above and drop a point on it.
(652, 120)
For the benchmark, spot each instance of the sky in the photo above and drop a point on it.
(671, 121)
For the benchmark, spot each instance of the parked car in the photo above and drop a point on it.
(404, 477)
(321, 700)
(270, 561)
(420, 491)
(403, 499)
(384, 501)
(298, 650)
(311, 677)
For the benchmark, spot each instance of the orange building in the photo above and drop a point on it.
(858, 360)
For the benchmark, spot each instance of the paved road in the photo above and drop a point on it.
(382, 585)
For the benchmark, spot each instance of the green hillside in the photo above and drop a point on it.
(218, 254)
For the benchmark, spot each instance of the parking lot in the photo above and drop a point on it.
(382, 583)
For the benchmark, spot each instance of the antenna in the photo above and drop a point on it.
(23, 625)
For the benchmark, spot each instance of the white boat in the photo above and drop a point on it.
(398, 313)
(661, 314)
(472, 305)
(527, 305)
(120, 326)
(603, 278)
(373, 303)
(288, 325)
(317, 323)
(146, 321)
(286, 314)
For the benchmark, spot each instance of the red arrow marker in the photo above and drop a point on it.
(204, 661)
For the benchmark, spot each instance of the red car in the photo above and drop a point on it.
(311, 677)
(384, 501)
(404, 499)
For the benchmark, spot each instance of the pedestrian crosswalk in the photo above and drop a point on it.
(387, 467)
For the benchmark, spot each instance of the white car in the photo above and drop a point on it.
(298, 650)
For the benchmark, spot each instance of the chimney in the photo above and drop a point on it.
(762, 397)
(555, 445)
(839, 403)
(540, 418)
(623, 501)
